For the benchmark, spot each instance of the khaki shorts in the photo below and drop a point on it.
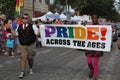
(28, 51)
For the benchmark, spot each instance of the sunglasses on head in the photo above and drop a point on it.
(24, 18)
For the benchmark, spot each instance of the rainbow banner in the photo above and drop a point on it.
(89, 37)
(19, 3)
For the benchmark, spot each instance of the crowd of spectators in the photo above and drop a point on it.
(9, 43)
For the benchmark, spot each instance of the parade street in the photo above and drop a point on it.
(62, 64)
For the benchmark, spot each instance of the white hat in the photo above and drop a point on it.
(3, 16)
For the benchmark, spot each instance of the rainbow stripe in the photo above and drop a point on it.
(19, 3)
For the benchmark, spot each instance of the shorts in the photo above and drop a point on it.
(16, 40)
(28, 51)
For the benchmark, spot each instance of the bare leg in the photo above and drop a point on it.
(30, 62)
(22, 65)
(10, 51)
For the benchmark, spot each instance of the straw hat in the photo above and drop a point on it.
(3, 16)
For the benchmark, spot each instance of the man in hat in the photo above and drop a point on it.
(2, 18)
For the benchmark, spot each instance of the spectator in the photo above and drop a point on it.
(10, 44)
(59, 22)
(1, 40)
(6, 27)
(16, 22)
(83, 23)
(48, 22)
(38, 41)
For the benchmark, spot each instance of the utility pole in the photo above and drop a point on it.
(48, 5)
(66, 6)
(33, 4)
(68, 11)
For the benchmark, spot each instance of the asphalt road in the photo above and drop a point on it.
(62, 64)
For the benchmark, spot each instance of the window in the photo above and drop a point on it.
(38, 1)
(46, 1)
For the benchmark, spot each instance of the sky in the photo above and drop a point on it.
(51, 1)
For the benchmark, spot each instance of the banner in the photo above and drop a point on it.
(19, 3)
(89, 37)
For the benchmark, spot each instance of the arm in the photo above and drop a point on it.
(36, 30)
(13, 32)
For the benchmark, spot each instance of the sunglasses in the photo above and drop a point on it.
(24, 18)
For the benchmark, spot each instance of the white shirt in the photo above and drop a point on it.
(35, 29)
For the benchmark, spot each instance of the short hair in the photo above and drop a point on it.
(95, 15)
(5, 22)
(26, 15)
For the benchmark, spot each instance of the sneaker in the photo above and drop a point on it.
(5, 53)
(94, 78)
(1, 54)
(13, 53)
(90, 74)
(22, 74)
(31, 71)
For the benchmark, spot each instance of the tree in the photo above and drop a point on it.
(7, 7)
(76, 4)
(103, 8)
(58, 6)
(117, 5)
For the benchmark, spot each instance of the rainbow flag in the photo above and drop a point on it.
(19, 3)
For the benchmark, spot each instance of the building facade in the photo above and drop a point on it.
(35, 8)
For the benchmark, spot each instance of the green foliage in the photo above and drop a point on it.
(103, 8)
(7, 7)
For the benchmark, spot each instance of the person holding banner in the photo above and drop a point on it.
(26, 33)
(93, 56)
